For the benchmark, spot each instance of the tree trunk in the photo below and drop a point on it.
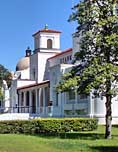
(108, 117)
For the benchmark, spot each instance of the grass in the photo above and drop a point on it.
(71, 142)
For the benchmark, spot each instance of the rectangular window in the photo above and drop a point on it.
(83, 96)
(67, 58)
(27, 98)
(116, 11)
(22, 98)
(71, 95)
(81, 111)
(70, 57)
(34, 74)
(56, 99)
(60, 60)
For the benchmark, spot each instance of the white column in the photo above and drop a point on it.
(6, 100)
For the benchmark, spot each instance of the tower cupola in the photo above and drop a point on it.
(46, 40)
(28, 52)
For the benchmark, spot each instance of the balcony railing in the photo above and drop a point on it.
(43, 111)
(20, 109)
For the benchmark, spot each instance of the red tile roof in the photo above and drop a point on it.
(33, 85)
(46, 31)
(59, 54)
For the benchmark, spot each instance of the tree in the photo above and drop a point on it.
(98, 55)
(1, 94)
(6, 75)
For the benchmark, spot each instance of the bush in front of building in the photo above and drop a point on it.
(47, 126)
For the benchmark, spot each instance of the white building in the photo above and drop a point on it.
(33, 87)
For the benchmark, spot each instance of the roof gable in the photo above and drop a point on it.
(46, 31)
(59, 54)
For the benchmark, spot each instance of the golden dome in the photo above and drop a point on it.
(23, 64)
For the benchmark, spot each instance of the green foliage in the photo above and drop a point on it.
(5, 74)
(98, 23)
(48, 126)
(1, 94)
(87, 141)
(67, 84)
(96, 75)
(98, 54)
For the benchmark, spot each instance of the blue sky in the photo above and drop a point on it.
(19, 19)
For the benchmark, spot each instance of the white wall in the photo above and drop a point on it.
(42, 61)
(55, 37)
(13, 90)
(13, 93)
(21, 83)
(34, 66)
(56, 60)
(25, 74)
(55, 75)
(38, 62)
(40, 40)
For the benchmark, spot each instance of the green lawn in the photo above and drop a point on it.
(75, 142)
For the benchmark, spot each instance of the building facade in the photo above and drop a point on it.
(33, 87)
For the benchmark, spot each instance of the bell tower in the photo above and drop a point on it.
(46, 45)
(47, 40)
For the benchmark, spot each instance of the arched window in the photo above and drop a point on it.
(49, 44)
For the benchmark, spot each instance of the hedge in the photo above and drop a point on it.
(48, 126)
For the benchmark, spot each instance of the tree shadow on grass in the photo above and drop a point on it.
(83, 136)
(115, 126)
(73, 135)
(105, 148)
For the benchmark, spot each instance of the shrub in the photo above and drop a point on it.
(48, 126)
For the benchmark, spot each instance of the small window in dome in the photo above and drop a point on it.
(49, 44)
